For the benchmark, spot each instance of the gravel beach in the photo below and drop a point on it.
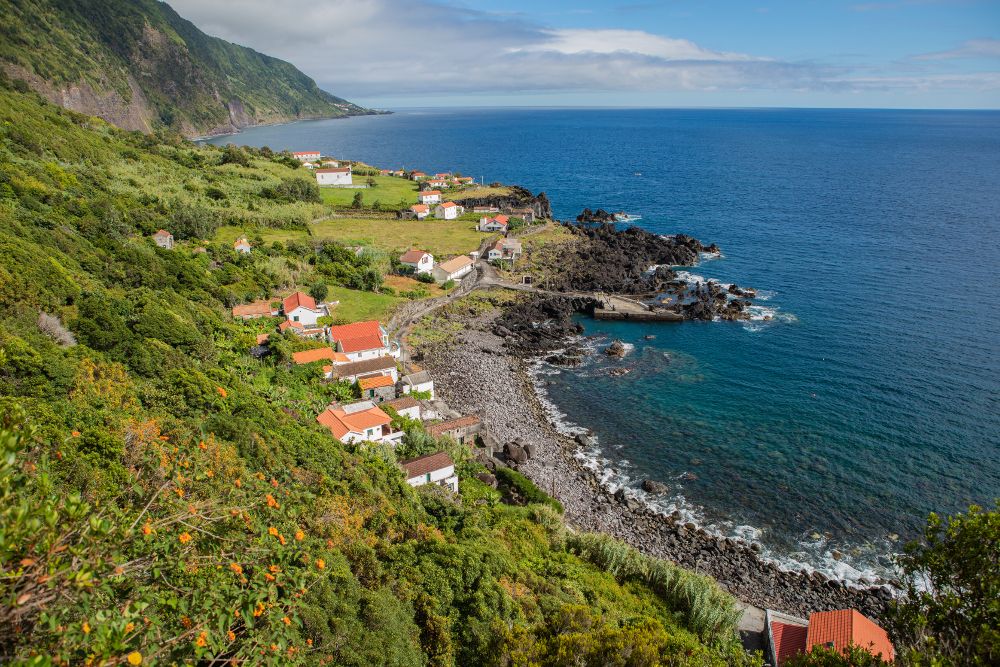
(475, 375)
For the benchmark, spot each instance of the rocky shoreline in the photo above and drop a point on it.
(511, 410)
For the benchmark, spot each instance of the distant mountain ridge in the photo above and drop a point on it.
(140, 66)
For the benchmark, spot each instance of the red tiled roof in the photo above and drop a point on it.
(419, 208)
(448, 204)
(402, 403)
(162, 232)
(255, 309)
(333, 170)
(789, 641)
(375, 382)
(297, 299)
(358, 336)
(340, 423)
(428, 192)
(412, 256)
(288, 324)
(306, 153)
(263, 338)
(309, 356)
(424, 464)
(845, 627)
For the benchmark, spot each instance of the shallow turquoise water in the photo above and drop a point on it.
(870, 400)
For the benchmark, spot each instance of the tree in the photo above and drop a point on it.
(358, 200)
(372, 183)
(951, 612)
(319, 290)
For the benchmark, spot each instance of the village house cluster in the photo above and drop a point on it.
(363, 355)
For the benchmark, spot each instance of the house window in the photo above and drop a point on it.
(427, 478)
(295, 318)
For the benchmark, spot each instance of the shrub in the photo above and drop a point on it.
(511, 480)
(424, 278)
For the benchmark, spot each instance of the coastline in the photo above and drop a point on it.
(512, 410)
(291, 121)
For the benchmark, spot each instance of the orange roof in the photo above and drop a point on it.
(448, 204)
(255, 309)
(297, 299)
(375, 382)
(440, 429)
(288, 324)
(309, 356)
(306, 153)
(162, 232)
(428, 192)
(334, 170)
(789, 641)
(239, 242)
(845, 627)
(419, 208)
(358, 336)
(502, 219)
(341, 423)
(263, 338)
(412, 256)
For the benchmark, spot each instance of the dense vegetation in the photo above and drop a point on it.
(165, 497)
(162, 70)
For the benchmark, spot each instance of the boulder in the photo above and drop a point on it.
(487, 479)
(654, 487)
(514, 452)
(616, 349)
(529, 450)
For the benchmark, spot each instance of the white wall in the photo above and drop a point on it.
(334, 178)
(304, 315)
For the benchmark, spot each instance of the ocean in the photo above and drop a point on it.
(871, 395)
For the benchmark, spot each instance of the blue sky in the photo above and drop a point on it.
(809, 53)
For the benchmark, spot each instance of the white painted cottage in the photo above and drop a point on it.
(419, 260)
(429, 197)
(437, 468)
(334, 176)
(454, 269)
(448, 210)
(306, 156)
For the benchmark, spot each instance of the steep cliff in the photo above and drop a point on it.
(139, 65)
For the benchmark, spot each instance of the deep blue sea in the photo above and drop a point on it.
(871, 397)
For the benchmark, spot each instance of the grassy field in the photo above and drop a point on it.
(438, 237)
(356, 306)
(482, 191)
(389, 191)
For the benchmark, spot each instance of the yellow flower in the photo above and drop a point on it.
(129, 627)
(86, 628)
(135, 658)
(184, 537)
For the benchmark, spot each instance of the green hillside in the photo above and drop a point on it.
(139, 65)
(166, 498)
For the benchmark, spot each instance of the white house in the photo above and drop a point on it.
(454, 269)
(448, 210)
(437, 183)
(334, 176)
(429, 197)
(242, 246)
(495, 224)
(420, 381)
(306, 156)
(308, 165)
(437, 468)
(420, 211)
(422, 262)
(417, 175)
(164, 239)
(301, 308)
(362, 340)
(504, 249)
(359, 422)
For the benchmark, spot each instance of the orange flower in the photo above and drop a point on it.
(86, 628)
(236, 567)
(281, 538)
(147, 528)
(135, 658)
(274, 569)
(271, 502)
(259, 609)
(269, 577)
(286, 620)
(186, 622)
(309, 642)
(75, 434)
(299, 535)
(192, 509)
(202, 639)
(320, 563)
(272, 531)
(164, 438)
(238, 484)
(179, 491)
(274, 482)
(231, 636)
(129, 627)
(222, 392)
(209, 474)
(202, 445)
(260, 476)
(184, 537)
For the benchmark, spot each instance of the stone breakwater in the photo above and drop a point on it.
(476, 375)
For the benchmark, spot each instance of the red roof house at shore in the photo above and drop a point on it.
(835, 629)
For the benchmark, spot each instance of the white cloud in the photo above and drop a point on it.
(407, 48)
(973, 48)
